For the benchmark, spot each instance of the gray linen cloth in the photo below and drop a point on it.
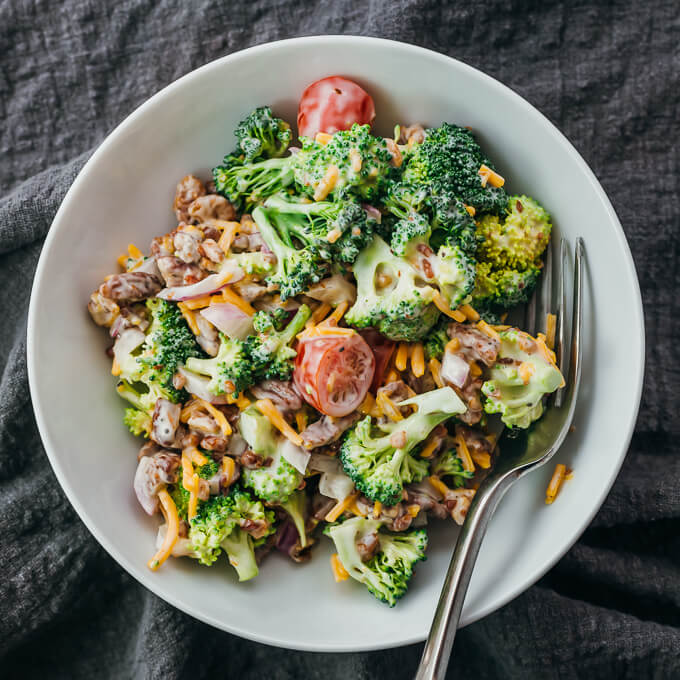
(606, 73)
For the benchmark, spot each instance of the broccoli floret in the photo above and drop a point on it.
(245, 183)
(451, 222)
(341, 228)
(297, 268)
(448, 464)
(359, 162)
(229, 371)
(142, 395)
(448, 161)
(169, 343)
(296, 507)
(525, 372)
(216, 527)
(275, 482)
(436, 340)
(379, 469)
(391, 295)
(254, 263)
(270, 354)
(181, 496)
(388, 572)
(262, 134)
(518, 241)
(138, 422)
(276, 319)
(454, 271)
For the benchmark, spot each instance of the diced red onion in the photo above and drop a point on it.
(127, 341)
(229, 319)
(295, 455)
(455, 369)
(372, 212)
(287, 538)
(207, 286)
(195, 384)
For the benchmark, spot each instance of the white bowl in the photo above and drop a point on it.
(124, 194)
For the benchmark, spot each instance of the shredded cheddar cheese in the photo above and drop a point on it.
(485, 328)
(229, 231)
(377, 509)
(189, 317)
(392, 376)
(481, 459)
(319, 331)
(555, 483)
(322, 138)
(413, 510)
(388, 407)
(228, 469)
(135, 252)
(464, 453)
(401, 357)
(339, 572)
(338, 313)
(219, 417)
(475, 370)
(438, 484)
(341, 506)
(115, 367)
(267, 408)
(242, 401)
(197, 303)
(430, 447)
(320, 313)
(172, 533)
(367, 405)
(418, 360)
(443, 306)
(333, 235)
(490, 177)
(452, 345)
(197, 458)
(470, 313)
(301, 420)
(436, 370)
(228, 295)
(471, 211)
(355, 160)
(327, 183)
(526, 370)
(122, 261)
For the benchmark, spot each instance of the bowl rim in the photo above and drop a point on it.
(138, 572)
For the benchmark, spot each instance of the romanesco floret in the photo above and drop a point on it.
(391, 295)
(261, 134)
(376, 466)
(353, 162)
(517, 240)
(503, 289)
(388, 572)
(518, 383)
(229, 371)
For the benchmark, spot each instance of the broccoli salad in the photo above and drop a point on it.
(320, 347)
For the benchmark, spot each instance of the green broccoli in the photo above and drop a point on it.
(455, 273)
(261, 134)
(269, 351)
(180, 495)
(448, 464)
(436, 340)
(296, 507)
(388, 572)
(402, 308)
(273, 483)
(379, 468)
(359, 161)
(169, 343)
(255, 263)
(217, 528)
(246, 183)
(297, 268)
(448, 162)
(525, 372)
(519, 240)
(142, 395)
(339, 230)
(138, 422)
(229, 371)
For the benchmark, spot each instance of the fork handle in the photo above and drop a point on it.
(435, 659)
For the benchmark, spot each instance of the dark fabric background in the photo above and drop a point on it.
(606, 73)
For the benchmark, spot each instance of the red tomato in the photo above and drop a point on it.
(333, 104)
(333, 372)
(382, 349)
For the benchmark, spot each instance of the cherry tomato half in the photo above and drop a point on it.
(333, 104)
(382, 349)
(333, 372)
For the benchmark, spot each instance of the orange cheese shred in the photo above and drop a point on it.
(388, 407)
(436, 369)
(464, 453)
(490, 177)
(341, 506)
(443, 306)
(189, 317)
(555, 483)
(228, 233)
(470, 313)
(401, 357)
(377, 509)
(438, 484)
(485, 328)
(267, 408)
(339, 572)
(481, 459)
(418, 360)
(171, 535)
(228, 295)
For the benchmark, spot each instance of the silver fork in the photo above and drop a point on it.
(519, 455)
